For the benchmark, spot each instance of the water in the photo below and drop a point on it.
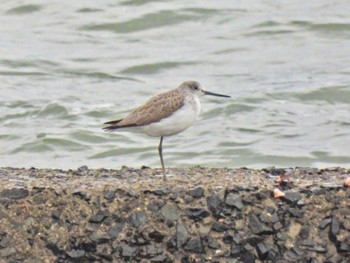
(68, 66)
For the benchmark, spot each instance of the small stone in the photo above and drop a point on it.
(194, 245)
(182, 234)
(262, 250)
(334, 229)
(83, 168)
(128, 251)
(5, 252)
(160, 192)
(219, 227)
(344, 247)
(236, 251)
(188, 199)
(292, 198)
(156, 236)
(115, 230)
(214, 204)
(15, 193)
(159, 259)
(99, 216)
(109, 195)
(234, 200)
(170, 212)
(212, 243)
(257, 227)
(100, 237)
(197, 192)
(138, 218)
(295, 212)
(197, 213)
(277, 226)
(76, 253)
(5, 241)
(324, 223)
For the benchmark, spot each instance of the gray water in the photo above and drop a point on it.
(68, 66)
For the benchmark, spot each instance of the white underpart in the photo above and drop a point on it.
(178, 121)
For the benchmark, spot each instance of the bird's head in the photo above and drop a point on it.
(196, 88)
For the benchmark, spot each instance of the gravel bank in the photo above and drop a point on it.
(198, 215)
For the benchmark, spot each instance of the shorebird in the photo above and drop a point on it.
(165, 114)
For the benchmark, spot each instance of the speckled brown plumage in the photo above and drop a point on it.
(157, 108)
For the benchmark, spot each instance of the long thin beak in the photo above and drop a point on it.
(215, 94)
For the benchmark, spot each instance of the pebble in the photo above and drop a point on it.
(170, 212)
(257, 227)
(182, 235)
(138, 218)
(197, 213)
(15, 193)
(99, 216)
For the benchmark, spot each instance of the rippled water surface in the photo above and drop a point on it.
(68, 66)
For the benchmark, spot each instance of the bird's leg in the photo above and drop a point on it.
(160, 151)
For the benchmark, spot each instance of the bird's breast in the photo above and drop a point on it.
(177, 122)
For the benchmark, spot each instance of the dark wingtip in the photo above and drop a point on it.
(113, 122)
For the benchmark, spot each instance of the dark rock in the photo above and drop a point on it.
(293, 255)
(261, 196)
(99, 216)
(15, 193)
(131, 192)
(234, 200)
(156, 236)
(55, 249)
(115, 230)
(173, 196)
(128, 251)
(262, 250)
(109, 195)
(196, 192)
(171, 243)
(182, 234)
(324, 223)
(5, 241)
(188, 199)
(170, 212)
(214, 204)
(334, 229)
(83, 168)
(197, 213)
(343, 247)
(137, 218)
(248, 258)
(257, 227)
(219, 227)
(212, 243)
(295, 212)
(56, 214)
(160, 192)
(153, 250)
(248, 199)
(100, 238)
(236, 251)
(194, 245)
(76, 253)
(82, 194)
(253, 240)
(292, 198)
(6, 252)
(160, 259)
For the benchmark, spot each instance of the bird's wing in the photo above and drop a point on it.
(155, 109)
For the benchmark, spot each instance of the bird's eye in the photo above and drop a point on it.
(195, 87)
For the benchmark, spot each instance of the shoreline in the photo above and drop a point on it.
(199, 215)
